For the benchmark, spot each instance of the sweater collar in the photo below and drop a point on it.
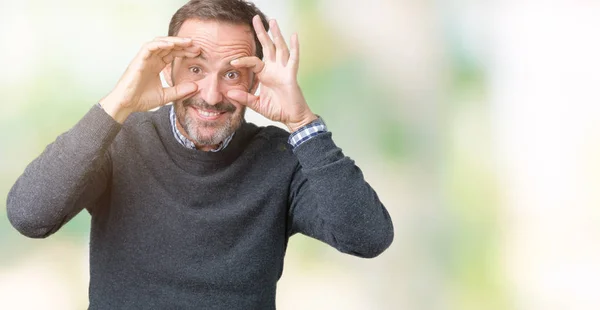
(200, 162)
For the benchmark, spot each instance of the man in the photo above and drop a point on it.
(191, 206)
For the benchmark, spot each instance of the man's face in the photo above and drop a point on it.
(208, 117)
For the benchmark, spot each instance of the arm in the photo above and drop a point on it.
(73, 172)
(331, 201)
(68, 176)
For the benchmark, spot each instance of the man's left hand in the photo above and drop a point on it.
(280, 98)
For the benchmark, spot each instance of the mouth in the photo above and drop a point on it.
(208, 115)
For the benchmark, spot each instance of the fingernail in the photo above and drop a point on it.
(234, 62)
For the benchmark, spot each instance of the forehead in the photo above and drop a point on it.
(219, 37)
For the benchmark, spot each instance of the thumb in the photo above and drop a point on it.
(179, 91)
(244, 98)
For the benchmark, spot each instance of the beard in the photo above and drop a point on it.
(206, 132)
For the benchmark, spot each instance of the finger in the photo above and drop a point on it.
(251, 62)
(165, 51)
(173, 54)
(179, 91)
(184, 53)
(192, 48)
(175, 42)
(244, 98)
(294, 52)
(263, 37)
(281, 48)
(169, 55)
(155, 47)
(178, 51)
(180, 41)
(164, 48)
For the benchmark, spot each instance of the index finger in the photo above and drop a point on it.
(251, 62)
(176, 47)
(177, 40)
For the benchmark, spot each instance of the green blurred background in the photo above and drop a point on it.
(476, 122)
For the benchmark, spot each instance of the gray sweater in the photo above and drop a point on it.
(174, 228)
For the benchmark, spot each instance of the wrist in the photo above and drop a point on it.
(309, 118)
(114, 107)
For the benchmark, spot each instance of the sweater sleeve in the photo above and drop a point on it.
(331, 201)
(71, 174)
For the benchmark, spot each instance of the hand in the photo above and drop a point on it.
(140, 88)
(280, 97)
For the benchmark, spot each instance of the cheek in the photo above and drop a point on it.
(185, 76)
(243, 83)
(239, 108)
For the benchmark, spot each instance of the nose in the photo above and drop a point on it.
(210, 90)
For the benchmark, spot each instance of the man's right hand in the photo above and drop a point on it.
(140, 88)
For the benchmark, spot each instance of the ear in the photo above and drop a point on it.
(167, 74)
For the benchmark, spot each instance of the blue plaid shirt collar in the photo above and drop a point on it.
(185, 141)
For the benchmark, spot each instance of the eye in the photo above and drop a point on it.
(232, 75)
(195, 70)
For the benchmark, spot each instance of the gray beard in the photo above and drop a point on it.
(195, 128)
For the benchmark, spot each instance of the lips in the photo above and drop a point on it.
(208, 115)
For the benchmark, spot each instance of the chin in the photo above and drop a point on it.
(204, 132)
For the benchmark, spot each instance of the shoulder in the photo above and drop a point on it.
(142, 128)
(270, 133)
(270, 138)
(273, 133)
(139, 118)
(141, 121)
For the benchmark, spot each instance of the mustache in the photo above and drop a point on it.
(222, 106)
